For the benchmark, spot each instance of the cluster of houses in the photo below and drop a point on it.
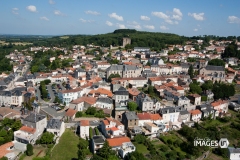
(87, 86)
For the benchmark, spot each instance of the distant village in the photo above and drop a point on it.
(145, 92)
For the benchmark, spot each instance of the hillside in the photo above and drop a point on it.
(138, 38)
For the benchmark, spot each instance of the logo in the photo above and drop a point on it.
(223, 143)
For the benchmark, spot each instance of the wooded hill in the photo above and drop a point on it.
(154, 40)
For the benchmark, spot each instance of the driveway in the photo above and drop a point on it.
(50, 91)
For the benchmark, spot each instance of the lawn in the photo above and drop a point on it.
(67, 147)
(209, 123)
(141, 148)
(37, 150)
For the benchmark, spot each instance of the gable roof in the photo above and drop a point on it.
(215, 68)
(84, 123)
(4, 147)
(144, 116)
(195, 112)
(118, 141)
(28, 129)
(70, 112)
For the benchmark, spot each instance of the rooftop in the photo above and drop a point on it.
(54, 124)
(117, 141)
(34, 117)
(98, 139)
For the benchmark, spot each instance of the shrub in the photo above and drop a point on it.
(79, 114)
(29, 151)
(96, 131)
(90, 133)
(204, 98)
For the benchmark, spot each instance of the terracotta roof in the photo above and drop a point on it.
(84, 123)
(133, 91)
(105, 122)
(102, 91)
(219, 102)
(155, 117)
(89, 100)
(70, 112)
(144, 116)
(114, 129)
(195, 112)
(118, 141)
(4, 147)
(28, 129)
(178, 87)
(6, 111)
(157, 79)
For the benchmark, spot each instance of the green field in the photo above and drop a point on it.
(67, 147)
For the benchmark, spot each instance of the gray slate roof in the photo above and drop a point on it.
(131, 115)
(34, 117)
(215, 68)
(54, 124)
(121, 91)
(104, 100)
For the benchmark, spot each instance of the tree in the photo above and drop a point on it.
(29, 151)
(208, 85)
(216, 62)
(4, 158)
(105, 151)
(47, 138)
(194, 88)
(132, 106)
(135, 156)
(113, 76)
(91, 111)
(190, 71)
(150, 89)
(79, 114)
(81, 154)
(139, 138)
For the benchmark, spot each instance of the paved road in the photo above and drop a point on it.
(50, 91)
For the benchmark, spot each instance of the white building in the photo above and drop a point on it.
(56, 126)
(233, 153)
(126, 148)
(84, 129)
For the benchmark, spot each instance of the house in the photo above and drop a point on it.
(170, 114)
(184, 116)
(196, 115)
(70, 114)
(84, 129)
(214, 71)
(144, 102)
(33, 127)
(112, 127)
(150, 129)
(7, 150)
(207, 110)
(221, 106)
(183, 101)
(127, 147)
(97, 142)
(130, 119)
(82, 103)
(56, 126)
(233, 153)
(104, 102)
(133, 92)
(6, 112)
(117, 142)
(121, 98)
(156, 80)
(124, 70)
(195, 99)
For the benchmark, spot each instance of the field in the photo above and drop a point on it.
(67, 147)
(64, 37)
(15, 43)
(38, 151)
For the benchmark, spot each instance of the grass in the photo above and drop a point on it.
(67, 147)
(64, 37)
(36, 150)
(209, 123)
(141, 148)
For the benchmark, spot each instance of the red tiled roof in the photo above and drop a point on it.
(102, 91)
(155, 117)
(219, 102)
(144, 116)
(84, 123)
(89, 100)
(28, 129)
(118, 141)
(4, 147)
(114, 129)
(70, 112)
(105, 122)
(195, 112)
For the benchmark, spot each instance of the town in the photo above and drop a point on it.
(121, 102)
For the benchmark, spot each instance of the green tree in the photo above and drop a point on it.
(140, 138)
(150, 89)
(208, 85)
(194, 88)
(135, 156)
(81, 154)
(132, 106)
(91, 111)
(191, 72)
(113, 76)
(29, 151)
(47, 138)
(79, 114)
(216, 62)
(4, 158)
(105, 151)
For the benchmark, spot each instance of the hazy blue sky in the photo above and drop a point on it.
(183, 17)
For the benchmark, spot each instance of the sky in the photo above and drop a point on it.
(63, 17)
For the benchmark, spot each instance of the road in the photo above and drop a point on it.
(50, 91)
